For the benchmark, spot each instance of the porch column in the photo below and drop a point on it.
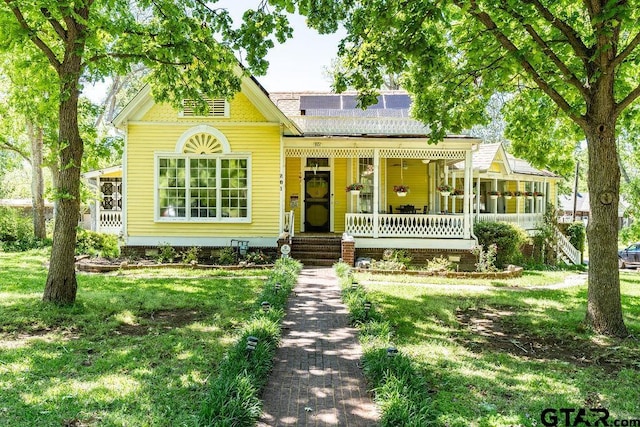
(376, 191)
(466, 204)
(494, 202)
(98, 206)
(478, 198)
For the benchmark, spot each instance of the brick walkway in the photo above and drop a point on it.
(316, 380)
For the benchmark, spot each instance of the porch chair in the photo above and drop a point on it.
(425, 209)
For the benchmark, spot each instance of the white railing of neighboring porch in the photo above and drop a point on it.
(406, 225)
(110, 222)
(565, 247)
(289, 223)
(527, 221)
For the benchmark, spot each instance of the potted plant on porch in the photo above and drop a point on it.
(494, 194)
(538, 194)
(508, 194)
(401, 190)
(354, 188)
(458, 193)
(445, 189)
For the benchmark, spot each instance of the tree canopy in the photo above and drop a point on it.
(571, 68)
(189, 47)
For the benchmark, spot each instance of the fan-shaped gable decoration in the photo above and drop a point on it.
(203, 139)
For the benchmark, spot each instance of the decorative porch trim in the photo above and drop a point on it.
(329, 152)
(421, 153)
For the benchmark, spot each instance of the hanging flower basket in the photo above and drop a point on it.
(538, 194)
(401, 190)
(445, 189)
(494, 194)
(529, 194)
(457, 193)
(518, 193)
(508, 195)
(355, 188)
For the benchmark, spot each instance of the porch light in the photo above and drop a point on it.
(367, 308)
(252, 343)
(266, 306)
(392, 352)
(426, 161)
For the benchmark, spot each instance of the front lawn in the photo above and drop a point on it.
(496, 357)
(132, 351)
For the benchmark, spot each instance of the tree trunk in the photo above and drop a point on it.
(604, 307)
(36, 135)
(61, 286)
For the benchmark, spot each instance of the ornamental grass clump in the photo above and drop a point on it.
(234, 395)
(401, 391)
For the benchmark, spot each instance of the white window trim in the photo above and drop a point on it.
(218, 219)
(182, 140)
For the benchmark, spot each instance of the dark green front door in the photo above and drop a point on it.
(317, 201)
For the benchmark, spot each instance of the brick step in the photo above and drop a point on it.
(316, 242)
(316, 248)
(318, 262)
(312, 255)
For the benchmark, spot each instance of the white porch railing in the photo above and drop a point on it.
(289, 223)
(406, 225)
(527, 221)
(571, 254)
(110, 222)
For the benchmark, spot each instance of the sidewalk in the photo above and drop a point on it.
(316, 379)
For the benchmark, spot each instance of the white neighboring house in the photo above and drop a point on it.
(105, 214)
(583, 209)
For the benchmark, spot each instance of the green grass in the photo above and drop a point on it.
(131, 351)
(495, 357)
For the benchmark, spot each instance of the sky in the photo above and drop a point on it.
(296, 65)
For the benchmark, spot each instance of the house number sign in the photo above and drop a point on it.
(285, 250)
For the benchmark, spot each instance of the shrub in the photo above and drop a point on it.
(258, 257)
(507, 238)
(16, 232)
(190, 255)
(486, 259)
(166, 253)
(96, 244)
(226, 256)
(393, 259)
(577, 235)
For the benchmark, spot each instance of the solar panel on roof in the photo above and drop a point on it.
(349, 102)
(318, 102)
(397, 101)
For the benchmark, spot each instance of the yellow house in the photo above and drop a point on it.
(260, 166)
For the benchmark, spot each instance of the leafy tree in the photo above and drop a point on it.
(577, 60)
(88, 39)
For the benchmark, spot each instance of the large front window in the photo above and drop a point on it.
(203, 188)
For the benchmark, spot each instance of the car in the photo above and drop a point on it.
(630, 256)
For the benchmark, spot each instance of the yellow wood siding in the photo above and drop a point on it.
(414, 175)
(293, 179)
(262, 142)
(240, 110)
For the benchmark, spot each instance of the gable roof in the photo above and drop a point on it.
(249, 86)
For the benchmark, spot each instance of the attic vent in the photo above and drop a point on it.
(217, 108)
(202, 143)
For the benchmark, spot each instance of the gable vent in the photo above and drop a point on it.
(217, 108)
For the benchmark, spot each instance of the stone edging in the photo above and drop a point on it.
(511, 272)
(106, 268)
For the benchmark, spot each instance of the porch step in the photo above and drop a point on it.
(317, 251)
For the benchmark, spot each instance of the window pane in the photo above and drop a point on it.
(171, 189)
(202, 194)
(234, 186)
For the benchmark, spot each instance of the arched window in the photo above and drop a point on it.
(203, 180)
